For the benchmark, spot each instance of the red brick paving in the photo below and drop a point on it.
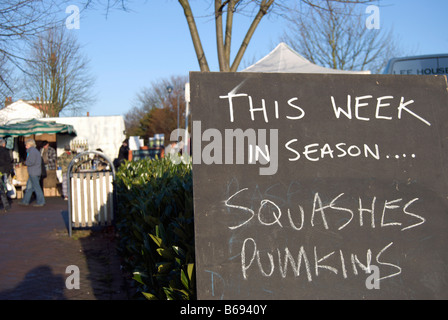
(35, 250)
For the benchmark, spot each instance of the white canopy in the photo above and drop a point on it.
(285, 59)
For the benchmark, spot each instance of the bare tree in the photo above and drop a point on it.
(21, 20)
(227, 9)
(58, 73)
(155, 108)
(334, 35)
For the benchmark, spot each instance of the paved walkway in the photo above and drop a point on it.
(35, 251)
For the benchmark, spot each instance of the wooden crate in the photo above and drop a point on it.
(52, 192)
(51, 179)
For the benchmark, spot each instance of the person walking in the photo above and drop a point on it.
(34, 163)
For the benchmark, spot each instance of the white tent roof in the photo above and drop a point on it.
(285, 59)
(19, 111)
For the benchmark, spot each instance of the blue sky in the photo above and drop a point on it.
(130, 51)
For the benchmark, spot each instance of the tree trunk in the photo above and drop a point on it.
(219, 36)
(223, 43)
(195, 35)
(264, 7)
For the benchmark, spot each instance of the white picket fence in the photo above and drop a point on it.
(92, 199)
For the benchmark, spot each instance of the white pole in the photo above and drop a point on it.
(187, 113)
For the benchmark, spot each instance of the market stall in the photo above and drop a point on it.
(40, 131)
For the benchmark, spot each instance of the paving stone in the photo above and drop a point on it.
(35, 250)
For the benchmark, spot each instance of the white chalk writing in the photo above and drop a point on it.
(360, 110)
(269, 213)
(310, 261)
(311, 265)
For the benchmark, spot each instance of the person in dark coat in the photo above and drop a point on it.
(123, 154)
(5, 158)
(5, 171)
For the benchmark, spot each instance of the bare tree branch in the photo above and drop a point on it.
(20, 21)
(261, 8)
(264, 7)
(334, 35)
(58, 73)
(219, 6)
(155, 109)
(195, 35)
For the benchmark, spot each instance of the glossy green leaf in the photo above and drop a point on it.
(149, 296)
(157, 240)
(190, 269)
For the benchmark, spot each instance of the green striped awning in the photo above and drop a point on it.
(34, 126)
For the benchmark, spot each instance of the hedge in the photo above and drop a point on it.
(155, 227)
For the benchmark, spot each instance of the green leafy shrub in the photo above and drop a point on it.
(155, 227)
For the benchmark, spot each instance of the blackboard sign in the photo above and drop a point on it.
(320, 186)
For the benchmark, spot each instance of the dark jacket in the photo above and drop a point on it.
(123, 153)
(5, 161)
